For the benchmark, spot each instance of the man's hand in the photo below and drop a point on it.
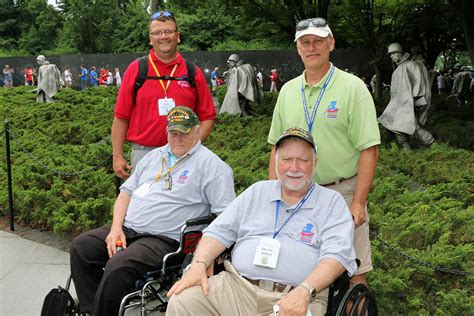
(194, 276)
(296, 302)
(121, 167)
(111, 240)
(358, 213)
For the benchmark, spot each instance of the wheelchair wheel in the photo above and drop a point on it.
(358, 301)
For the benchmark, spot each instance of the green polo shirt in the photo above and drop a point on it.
(345, 123)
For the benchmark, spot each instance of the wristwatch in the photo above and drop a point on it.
(197, 261)
(312, 291)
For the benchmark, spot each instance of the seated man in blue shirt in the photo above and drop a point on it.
(292, 239)
(171, 184)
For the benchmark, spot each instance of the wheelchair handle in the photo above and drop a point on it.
(207, 219)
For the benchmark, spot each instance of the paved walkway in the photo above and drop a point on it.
(28, 271)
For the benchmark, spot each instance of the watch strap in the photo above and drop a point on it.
(311, 290)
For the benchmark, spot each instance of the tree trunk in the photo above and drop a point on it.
(467, 13)
(378, 83)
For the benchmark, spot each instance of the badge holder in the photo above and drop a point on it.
(266, 254)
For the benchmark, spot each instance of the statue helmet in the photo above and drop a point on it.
(41, 58)
(394, 48)
(458, 66)
(234, 57)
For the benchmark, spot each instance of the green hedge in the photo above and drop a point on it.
(421, 202)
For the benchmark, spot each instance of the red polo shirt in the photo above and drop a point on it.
(146, 126)
(29, 74)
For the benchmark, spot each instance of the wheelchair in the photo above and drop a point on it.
(150, 294)
(150, 291)
(347, 300)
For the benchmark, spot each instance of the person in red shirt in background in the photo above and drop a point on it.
(102, 76)
(29, 79)
(274, 78)
(141, 119)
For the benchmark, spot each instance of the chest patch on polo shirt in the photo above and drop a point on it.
(306, 235)
(332, 110)
(184, 84)
(183, 177)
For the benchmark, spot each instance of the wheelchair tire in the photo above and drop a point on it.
(361, 298)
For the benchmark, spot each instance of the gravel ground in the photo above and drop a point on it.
(49, 238)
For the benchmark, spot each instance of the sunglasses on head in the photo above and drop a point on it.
(315, 22)
(159, 14)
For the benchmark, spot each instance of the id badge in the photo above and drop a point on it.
(142, 190)
(267, 252)
(165, 105)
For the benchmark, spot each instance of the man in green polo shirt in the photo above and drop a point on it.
(338, 110)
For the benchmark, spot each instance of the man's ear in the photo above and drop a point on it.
(333, 44)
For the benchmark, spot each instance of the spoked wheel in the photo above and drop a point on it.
(358, 301)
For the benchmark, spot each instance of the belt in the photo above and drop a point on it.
(138, 146)
(270, 285)
(337, 181)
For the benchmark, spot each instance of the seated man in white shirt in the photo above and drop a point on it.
(292, 239)
(171, 184)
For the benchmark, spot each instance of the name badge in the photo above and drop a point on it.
(165, 105)
(267, 252)
(142, 190)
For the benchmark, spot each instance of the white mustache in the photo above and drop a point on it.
(294, 174)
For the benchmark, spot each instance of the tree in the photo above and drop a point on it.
(205, 25)
(428, 39)
(370, 25)
(283, 15)
(40, 25)
(132, 31)
(9, 25)
(466, 9)
(374, 24)
(89, 28)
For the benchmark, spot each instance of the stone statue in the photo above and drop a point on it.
(49, 80)
(462, 80)
(241, 87)
(410, 98)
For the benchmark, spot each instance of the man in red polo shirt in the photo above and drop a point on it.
(29, 76)
(142, 120)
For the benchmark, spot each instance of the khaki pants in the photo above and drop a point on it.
(138, 152)
(230, 294)
(361, 234)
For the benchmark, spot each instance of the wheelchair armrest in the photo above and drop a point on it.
(207, 219)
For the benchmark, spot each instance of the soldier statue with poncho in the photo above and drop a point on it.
(49, 80)
(410, 98)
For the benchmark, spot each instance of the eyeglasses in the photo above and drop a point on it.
(167, 182)
(165, 32)
(315, 22)
(159, 14)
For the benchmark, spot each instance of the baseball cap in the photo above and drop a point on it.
(314, 26)
(296, 132)
(182, 119)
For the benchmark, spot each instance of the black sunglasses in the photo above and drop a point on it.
(315, 22)
(159, 14)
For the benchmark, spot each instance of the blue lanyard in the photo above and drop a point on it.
(310, 121)
(297, 208)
